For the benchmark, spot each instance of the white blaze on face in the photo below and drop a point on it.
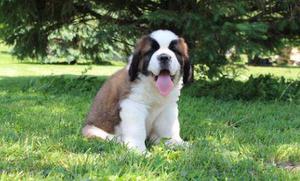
(163, 38)
(164, 82)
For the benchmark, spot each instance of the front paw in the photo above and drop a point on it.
(173, 143)
(135, 146)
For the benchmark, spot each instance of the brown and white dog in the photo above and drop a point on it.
(140, 101)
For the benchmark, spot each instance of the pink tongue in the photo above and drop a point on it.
(164, 84)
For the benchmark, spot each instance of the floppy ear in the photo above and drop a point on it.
(187, 72)
(136, 57)
(134, 66)
(187, 66)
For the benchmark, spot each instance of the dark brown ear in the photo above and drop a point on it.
(141, 47)
(134, 66)
(187, 73)
(187, 66)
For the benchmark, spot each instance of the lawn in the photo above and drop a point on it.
(40, 132)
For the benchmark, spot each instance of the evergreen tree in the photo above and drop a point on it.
(211, 28)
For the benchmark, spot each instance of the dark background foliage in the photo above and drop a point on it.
(93, 28)
(263, 87)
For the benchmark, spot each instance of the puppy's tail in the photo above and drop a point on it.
(91, 131)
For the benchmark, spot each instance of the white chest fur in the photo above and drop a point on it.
(141, 109)
(145, 93)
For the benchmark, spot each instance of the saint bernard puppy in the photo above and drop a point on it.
(139, 102)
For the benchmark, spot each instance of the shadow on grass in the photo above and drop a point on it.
(102, 63)
(261, 88)
(57, 85)
(278, 66)
(5, 52)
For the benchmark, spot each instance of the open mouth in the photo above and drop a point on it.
(164, 82)
(163, 72)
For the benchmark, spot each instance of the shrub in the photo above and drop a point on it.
(263, 87)
(65, 84)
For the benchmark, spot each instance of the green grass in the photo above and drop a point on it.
(40, 134)
(11, 67)
(287, 72)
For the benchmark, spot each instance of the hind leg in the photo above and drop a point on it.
(91, 131)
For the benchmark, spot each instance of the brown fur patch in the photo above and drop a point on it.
(143, 45)
(187, 67)
(104, 112)
(183, 48)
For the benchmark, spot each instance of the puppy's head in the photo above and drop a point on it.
(162, 55)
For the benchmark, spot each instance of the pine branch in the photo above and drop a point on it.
(104, 18)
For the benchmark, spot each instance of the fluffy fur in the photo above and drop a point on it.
(129, 106)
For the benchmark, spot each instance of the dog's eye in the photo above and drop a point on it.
(148, 53)
(173, 47)
(154, 45)
(176, 51)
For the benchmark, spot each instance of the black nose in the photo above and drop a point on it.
(164, 58)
